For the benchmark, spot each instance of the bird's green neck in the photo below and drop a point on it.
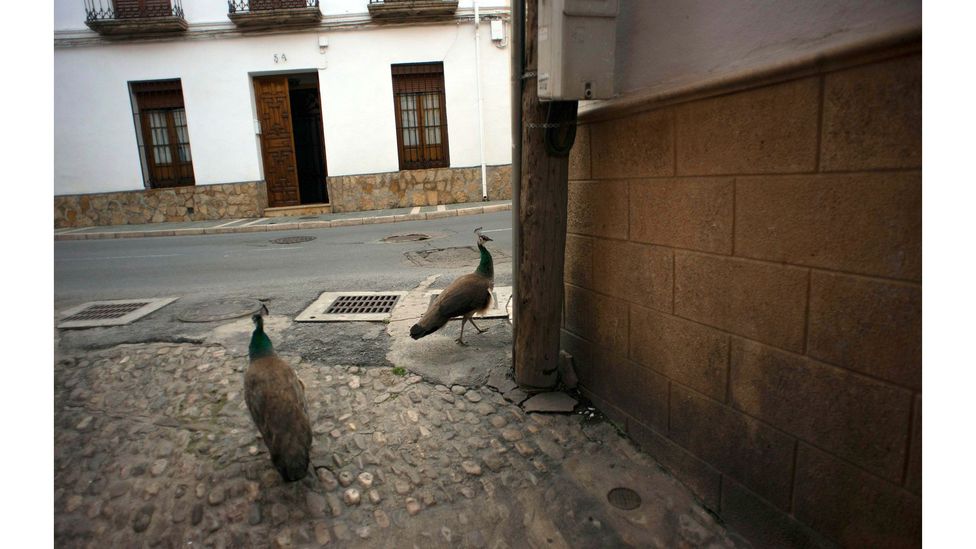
(260, 343)
(486, 267)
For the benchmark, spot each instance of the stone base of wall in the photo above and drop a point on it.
(196, 203)
(408, 188)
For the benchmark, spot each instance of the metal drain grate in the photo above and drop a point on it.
(111, 313)
(292, 239)
(362, 304)
(106, 312)
(351, 307)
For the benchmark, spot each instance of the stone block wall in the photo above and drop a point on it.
(409, 188)
(194, 203)
(743, 296)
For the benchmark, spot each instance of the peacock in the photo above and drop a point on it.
(465, 296)
(275, 396)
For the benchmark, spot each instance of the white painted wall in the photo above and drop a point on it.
(671, 43)
(95, 137)
(70, 14)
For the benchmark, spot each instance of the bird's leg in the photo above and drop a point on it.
(480, 331)
(460, 338)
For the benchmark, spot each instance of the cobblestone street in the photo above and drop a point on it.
(154, 447)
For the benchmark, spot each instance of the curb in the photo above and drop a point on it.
(344, 222)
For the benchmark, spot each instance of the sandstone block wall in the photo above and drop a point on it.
(195, 203)
(743, 297)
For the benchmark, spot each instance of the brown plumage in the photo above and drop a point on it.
(276, 399)
(466, 296)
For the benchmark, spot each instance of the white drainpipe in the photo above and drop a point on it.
(481, 122)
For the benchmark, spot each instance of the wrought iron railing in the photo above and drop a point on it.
(248, 6)
(101, 10)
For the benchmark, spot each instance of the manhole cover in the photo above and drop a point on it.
(111, 313)
(624, 498)
(412, 237)
(220, 309)
(292, 239)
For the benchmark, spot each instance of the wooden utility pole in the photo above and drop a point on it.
(541, 236)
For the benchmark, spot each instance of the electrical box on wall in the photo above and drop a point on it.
(576, 49)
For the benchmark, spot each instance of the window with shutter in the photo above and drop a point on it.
(421, 119)
(165, 144)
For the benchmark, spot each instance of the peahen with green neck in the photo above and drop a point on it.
(276, 399)
(464, 297)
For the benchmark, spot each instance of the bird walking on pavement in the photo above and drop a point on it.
(275, 396)
(466, 296)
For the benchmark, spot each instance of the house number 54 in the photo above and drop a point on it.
(280, 58)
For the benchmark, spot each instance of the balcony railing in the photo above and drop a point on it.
(259, 14)
(245, 6)
(392, 10)
(121, 18)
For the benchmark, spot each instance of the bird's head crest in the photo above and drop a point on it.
(481, 238)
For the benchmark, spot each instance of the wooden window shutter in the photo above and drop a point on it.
(421, 116)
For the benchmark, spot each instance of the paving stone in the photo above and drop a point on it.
(471, 468)
(382, 520)
(322, 536)
(327, 479)
(365, 479)
(216, 496)
(511, 434)
(516, 396)
(351, 496)
(254, 514)
(550, 402)
(459, 452)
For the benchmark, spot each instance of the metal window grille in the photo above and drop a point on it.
(97, 10)
(421, 119)
(246, 6)
(362, 304)
(164, 144)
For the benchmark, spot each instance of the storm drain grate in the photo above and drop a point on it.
(111, 313)
(106, 312)
(292, 239)
(356, 304)
(351, 306)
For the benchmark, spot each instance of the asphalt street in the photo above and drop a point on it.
(212, 266)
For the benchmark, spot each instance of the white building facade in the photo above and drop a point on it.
(203, 109)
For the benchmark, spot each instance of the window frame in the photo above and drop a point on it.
(420, 80)
(162, 96)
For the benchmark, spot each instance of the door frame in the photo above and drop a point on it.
(259, 130)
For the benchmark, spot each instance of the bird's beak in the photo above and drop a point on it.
(483, 237)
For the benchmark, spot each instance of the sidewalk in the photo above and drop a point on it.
(263, 224)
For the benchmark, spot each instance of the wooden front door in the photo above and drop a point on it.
(277, 141)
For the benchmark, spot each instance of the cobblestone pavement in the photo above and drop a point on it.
(154, 448)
